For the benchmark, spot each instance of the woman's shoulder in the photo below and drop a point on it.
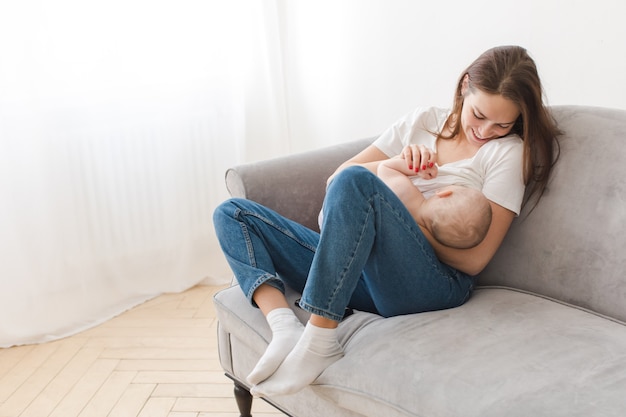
(506, 153)
(506, 145)
(431, 118)
(433, 110)
(417, 127)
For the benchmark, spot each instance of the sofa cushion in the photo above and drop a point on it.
(503, 353)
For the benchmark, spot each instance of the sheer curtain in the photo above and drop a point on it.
(117, 121)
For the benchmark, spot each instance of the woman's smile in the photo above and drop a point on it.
(487, 116)
(477, 137)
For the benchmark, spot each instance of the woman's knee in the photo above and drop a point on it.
(354, 177)
(227, 211)
(232, 206)
(353, 172)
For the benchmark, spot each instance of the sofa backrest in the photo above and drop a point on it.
(294, 185)
(572, 247)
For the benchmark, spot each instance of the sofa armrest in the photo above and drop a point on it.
(293, 185)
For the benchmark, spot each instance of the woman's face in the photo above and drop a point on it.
(485, 117)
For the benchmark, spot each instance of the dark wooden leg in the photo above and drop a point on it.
(244, 400)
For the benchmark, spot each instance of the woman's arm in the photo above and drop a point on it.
(472, 261)
(369, 158)
(416, 155)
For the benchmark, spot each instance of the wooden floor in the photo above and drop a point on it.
(156, 360)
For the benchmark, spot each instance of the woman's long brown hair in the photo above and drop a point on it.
(510, 72)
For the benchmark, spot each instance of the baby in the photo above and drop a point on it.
(456, 216)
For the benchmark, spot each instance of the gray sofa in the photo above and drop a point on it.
(543, 335)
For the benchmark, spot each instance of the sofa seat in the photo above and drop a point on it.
(504, 353)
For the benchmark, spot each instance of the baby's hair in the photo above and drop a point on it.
(463, 219)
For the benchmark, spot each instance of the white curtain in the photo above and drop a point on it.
(117, 122)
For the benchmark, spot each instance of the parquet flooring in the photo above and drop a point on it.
(157, 360)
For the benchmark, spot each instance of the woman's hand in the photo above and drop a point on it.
(421, 160)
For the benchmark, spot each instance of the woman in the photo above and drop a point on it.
(371, 255)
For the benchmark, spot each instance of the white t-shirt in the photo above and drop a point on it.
(496, 169)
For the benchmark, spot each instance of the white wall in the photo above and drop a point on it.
(355, 66)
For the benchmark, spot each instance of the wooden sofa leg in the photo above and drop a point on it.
(244, 400)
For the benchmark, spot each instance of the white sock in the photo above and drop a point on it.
(316, 350)
(286, 331)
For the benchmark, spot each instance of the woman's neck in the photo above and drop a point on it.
(454, 149)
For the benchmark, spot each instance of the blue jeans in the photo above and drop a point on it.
(370, 255)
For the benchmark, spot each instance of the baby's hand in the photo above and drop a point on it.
(396, 163)
(429, 173)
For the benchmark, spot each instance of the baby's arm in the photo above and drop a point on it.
(395, 174)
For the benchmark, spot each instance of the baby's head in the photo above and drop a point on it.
(457, 216)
